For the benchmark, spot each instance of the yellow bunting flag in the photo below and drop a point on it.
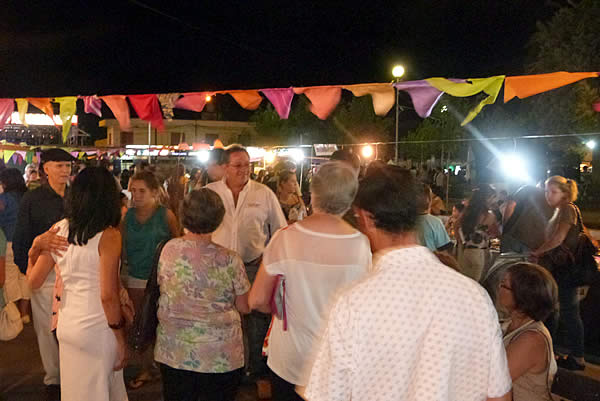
(22, 105)
(491, 86)
(68, 108)
(7, 155)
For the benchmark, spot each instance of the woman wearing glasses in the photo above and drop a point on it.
(529, 294)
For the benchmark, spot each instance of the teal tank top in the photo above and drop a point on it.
(141, 241)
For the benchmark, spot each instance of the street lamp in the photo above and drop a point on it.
(397, 73)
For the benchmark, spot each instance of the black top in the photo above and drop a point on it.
(39, 210)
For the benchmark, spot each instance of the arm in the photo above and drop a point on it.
(173, 223)
(276, 218)
(40, 263)
(241, 304)
(557, 238)
(262, 289)
(525, 353)
(109, 249)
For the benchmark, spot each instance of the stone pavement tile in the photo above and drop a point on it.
(21, 374)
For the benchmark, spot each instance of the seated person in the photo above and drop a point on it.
(529, 294)
(430, 229)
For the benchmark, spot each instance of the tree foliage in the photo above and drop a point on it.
(569, 41)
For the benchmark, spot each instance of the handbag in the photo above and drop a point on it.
(10, 322)
(143, 332)
(278, 300)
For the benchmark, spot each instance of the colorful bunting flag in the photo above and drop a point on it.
(68, 108)
(281, 99)
(423, 95)
(194, 101)
(22, 106)
(382, 95)
(324, 99)
(249, 99)
(491, 86)
(8, 154)
(119, 107)
(43, 103)
(528, 85)
(92, 105)
(148, 109)
(167, 103)
(7, 106)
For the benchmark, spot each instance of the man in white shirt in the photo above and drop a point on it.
(252, 215)
(414, 330)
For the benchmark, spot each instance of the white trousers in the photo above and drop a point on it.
(41, 308)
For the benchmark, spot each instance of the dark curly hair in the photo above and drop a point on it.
(389, 193)
(202, 211)
(93, 205)
(534, 290)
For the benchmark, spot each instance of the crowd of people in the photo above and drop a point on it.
(359, 291)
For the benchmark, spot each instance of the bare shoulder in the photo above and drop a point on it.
(111, 234)
(532, 340)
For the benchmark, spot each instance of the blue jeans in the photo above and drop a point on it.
(569, 319)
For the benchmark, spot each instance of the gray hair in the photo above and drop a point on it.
(334, 187)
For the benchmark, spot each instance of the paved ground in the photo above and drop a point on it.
(21, 374)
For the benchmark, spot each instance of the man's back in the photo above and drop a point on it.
(414, 330)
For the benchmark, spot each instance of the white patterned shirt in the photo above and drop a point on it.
(415, 330)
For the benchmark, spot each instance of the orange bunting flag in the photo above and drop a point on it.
(324, 99)
(119, 107)
(42, 103)
(528, 85)
(382, 94)
(249, 100)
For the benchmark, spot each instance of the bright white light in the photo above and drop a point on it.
(208, 98)
(256, 154)
(203, 156)
(39, 119)
(591, 144)
(164, 152)
(514, 167)
(269, 157)
(398, 71)
(367, 151)
(297, 154)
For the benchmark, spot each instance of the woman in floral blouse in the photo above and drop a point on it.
(203, 290)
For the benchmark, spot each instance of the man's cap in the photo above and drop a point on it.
(56, 155)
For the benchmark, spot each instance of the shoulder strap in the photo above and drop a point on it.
(579, 218)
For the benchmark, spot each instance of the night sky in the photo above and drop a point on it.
(109, 47)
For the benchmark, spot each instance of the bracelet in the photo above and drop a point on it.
(119, 325)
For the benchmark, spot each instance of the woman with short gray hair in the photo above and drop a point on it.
(203, 290)
(310, 261)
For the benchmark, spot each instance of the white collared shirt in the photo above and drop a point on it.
(247, 227)
(414, 330)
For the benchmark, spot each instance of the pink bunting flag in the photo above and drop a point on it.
(7, 106)
(281, 99)
(324, 99)
(92, 105)
(193, 101)
(74, 154)
(119, 107)
(148, 109)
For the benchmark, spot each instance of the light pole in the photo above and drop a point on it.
(397, 73)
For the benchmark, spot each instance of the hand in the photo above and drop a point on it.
(51, 242)
(122, 353)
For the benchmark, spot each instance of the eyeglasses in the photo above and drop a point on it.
(240, 166)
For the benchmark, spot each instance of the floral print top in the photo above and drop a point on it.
(199, 328)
